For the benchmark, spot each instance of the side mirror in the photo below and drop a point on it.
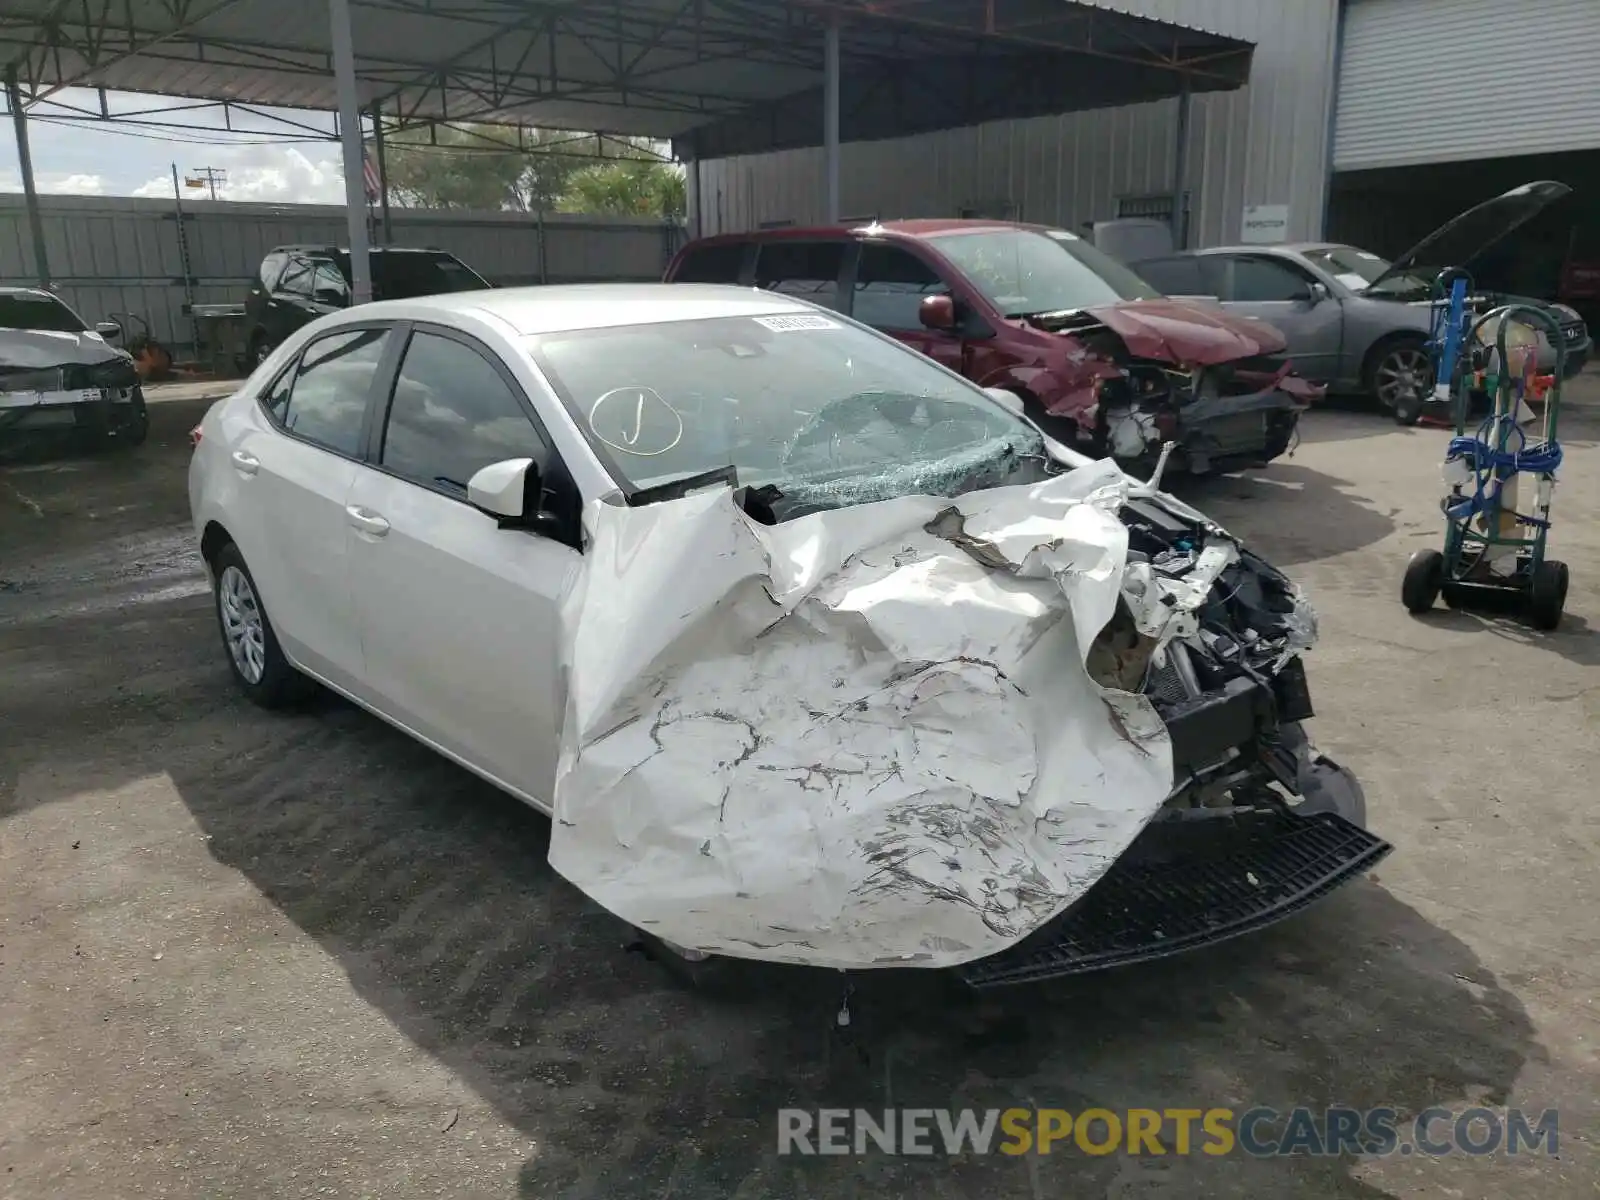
(1008, 400)
(510, 491)
(1317, 292)
(938, 312)
(109, 330)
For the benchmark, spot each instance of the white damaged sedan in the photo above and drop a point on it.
(814, 651)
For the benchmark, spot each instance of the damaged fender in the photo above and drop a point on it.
(864, 737)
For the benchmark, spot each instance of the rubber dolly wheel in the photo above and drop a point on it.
(1424, 578)
(1547, 594)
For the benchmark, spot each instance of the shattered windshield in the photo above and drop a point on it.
(1026, 271)
(826, 413)
(27, 311)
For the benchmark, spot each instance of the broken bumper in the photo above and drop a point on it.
(1198, 876)
(88, 408)
(1251, 430)
(1188, 882)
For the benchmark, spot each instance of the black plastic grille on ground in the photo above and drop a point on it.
(1185, 884)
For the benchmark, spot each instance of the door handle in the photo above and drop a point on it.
(366, 520)
(246, 463)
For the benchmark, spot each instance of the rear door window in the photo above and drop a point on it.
(1173, 276)
(890, 286)
(720, 262)
(809, 270)
(323, 399)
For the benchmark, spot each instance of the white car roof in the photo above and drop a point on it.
(560, 307)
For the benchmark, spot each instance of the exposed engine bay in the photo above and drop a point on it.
(1231, 685)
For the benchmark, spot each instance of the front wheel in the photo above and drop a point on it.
(254, 656)
(136, 423)
(1401, 378)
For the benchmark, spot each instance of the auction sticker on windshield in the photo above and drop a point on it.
(791, 322)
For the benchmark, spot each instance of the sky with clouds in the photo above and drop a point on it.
(98, 158)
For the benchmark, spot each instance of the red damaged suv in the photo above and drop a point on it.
(1100, 358)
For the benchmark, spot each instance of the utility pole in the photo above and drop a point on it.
(210, 177)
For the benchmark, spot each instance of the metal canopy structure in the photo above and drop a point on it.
(715, 77)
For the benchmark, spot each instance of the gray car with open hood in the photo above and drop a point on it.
(1356, 321)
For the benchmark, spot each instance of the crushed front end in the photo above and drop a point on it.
(1217, 388)
(936, 731)
(101, 397)
(1259, 823)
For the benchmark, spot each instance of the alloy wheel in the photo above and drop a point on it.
(242, 624)
(1404, 374)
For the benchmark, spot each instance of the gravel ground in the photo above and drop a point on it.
(282, 956)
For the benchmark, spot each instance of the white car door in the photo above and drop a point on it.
(295, 461)
(460, 619)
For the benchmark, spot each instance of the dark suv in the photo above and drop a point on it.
(298, 284)
(1097, 355)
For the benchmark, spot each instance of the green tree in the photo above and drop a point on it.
(491, 168)
(452, 171)
(635, 188)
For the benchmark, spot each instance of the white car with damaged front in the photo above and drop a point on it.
(815, 652)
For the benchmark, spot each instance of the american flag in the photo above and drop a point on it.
(369, 173)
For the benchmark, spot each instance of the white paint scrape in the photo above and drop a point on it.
(851, 740)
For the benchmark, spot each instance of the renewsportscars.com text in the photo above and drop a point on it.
(1258, 1132)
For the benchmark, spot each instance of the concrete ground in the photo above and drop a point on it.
(283, 956)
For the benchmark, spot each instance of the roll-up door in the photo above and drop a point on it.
(1449, 80)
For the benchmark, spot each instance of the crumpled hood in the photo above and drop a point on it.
(1187, 334)
(865, 737)
(40, 349)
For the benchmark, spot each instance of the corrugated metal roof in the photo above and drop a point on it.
(721, 76)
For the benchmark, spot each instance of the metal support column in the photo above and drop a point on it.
(383, 173)
(19, 122)
(830, 116)
(1180, 172)
(355, 188)
(697, 185)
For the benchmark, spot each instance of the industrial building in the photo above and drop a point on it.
(1364, 120)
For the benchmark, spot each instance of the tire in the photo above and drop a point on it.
(136, 428)
(1547, 594)
(260, 350)
(1424, 578)
(1398, 368)
(251, 647)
